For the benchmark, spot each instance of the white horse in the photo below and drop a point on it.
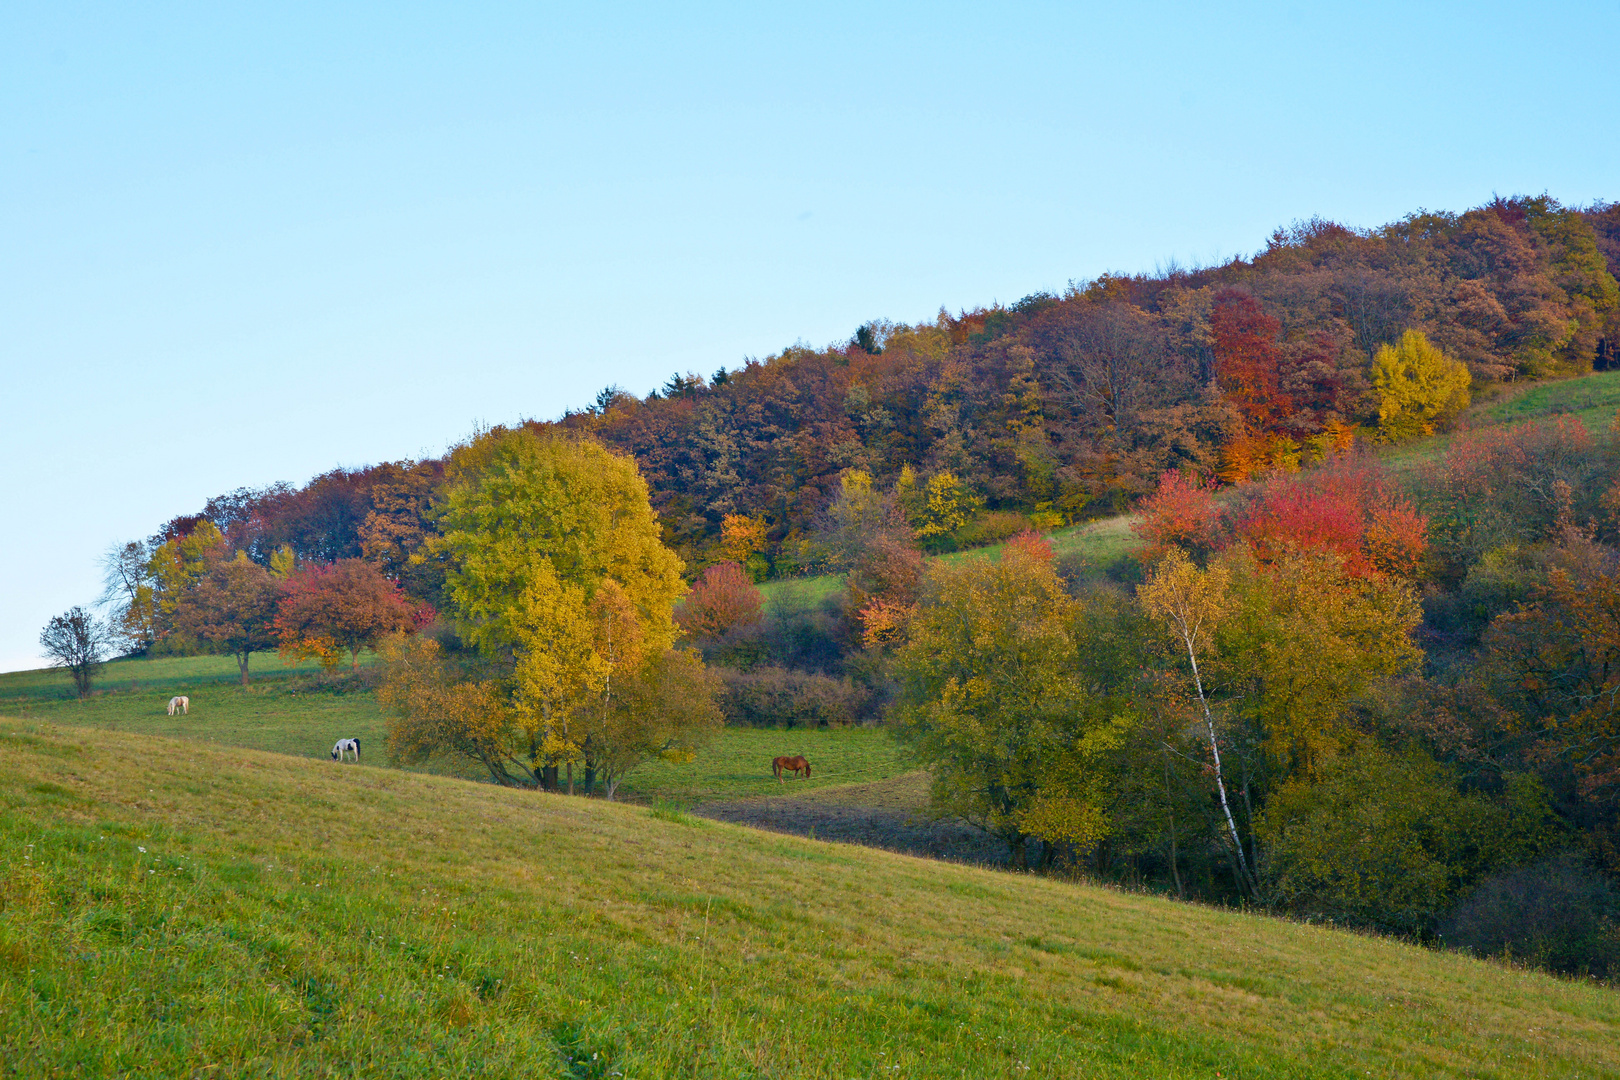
(346, 744)
(183, 704)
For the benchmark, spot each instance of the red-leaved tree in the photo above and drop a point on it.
(1353, 510)
(1247, 359)
(348, 605)
(1180, 513)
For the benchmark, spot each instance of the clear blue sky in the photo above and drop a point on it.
(242, 244)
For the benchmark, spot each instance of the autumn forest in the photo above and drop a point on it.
(1327, 678)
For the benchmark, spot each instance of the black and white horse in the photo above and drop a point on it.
(345, 745)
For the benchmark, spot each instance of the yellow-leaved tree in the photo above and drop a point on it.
(936, 507)
(1419, 388)
(998, 697)
(557, 579)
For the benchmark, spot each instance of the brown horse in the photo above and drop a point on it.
(794, 765)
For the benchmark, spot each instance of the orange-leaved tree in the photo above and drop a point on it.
(232, 608)
(724, 596)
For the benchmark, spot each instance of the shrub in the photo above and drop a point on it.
(1180, 512)
(1559, 914)
(1384, 841)
(779, 697)
(989, 528)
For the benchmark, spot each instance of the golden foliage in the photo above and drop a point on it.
(436, 711)
(1419, 387)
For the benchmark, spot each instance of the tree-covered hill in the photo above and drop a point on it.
(1067, 407)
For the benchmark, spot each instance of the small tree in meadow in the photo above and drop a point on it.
(232, 608)
(77, 641)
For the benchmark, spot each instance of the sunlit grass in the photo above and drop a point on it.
(301, 714)
(290, 917)
(285, 709)
(1592, 399)
(738, 764)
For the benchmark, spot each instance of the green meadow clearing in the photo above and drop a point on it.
(297, 712)
(173, 910)
(1591, 399)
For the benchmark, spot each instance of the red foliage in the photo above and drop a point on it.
(1246, 358)
(1490, 462)
(1352, 510)
(891, 567)
(1293, 515)
(1181, 513)
(348, 604)
(1030, 544)
(724, 596)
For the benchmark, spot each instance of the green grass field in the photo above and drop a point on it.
(738, 764)
(1594, 399)
(174, 911)
(294, 711)
(286, 710)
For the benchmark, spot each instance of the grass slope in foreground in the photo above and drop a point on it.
(173, 910)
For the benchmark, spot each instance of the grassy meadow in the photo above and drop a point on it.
(1591, 399)
(286, 710)
(295, 711)
(738, 764)
(169, 910)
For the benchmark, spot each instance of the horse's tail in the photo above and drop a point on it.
(357, 749)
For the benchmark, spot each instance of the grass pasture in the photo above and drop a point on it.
(738, 764)
(170, 911)
(285, 710)
(1591, 399)
(294, 711)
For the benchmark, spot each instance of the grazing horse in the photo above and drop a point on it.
(183, 704)
(346, 744)
(794, 765)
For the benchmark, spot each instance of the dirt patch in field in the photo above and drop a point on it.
(888, 814)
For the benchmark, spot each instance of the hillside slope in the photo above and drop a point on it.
(176, 910)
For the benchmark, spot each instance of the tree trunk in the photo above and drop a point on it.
(354, 658)
(590, 780)
(548, 778)
(570, 778)
(1170, 811)
(242, 663)
(1215, 753)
